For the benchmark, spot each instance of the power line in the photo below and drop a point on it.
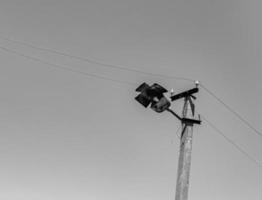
(232, 111)
(66, 68)
(128, 83)
(123, 68)
(232, 143)
(134, 71)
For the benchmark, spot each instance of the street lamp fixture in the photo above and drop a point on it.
(154, 96)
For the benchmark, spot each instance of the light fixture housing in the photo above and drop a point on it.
(161, 105)
(153, 95)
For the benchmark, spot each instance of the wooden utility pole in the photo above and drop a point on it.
(184, 162)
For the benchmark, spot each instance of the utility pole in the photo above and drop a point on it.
(184, 162)
(154, 95)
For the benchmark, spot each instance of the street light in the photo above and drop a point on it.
(153, 95)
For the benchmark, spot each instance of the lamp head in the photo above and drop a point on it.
(153, 95)
(160, 105)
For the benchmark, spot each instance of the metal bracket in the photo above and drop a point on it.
(191, 121)
(184, 120)
(185, 94)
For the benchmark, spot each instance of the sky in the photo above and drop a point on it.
(65, 135)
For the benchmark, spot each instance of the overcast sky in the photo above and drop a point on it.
(66, 136)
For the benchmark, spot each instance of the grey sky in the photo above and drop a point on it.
(67, 136)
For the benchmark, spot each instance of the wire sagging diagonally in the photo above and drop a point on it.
(231, 110)
(67, 68)
(63, 67)
(123, 68)
(232, 142)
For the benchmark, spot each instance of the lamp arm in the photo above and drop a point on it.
(173, 113)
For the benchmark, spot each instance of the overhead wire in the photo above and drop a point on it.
(67, 68)
(231, 110)
(134, 71)
(64, 67)
(119, 67)
(241, 150)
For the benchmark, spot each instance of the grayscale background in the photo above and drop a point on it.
(66, 136)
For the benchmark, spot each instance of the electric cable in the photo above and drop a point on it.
(123, 68)
(64, 67)
(232, 142)
(129, 83)
(134, 71)
(232, 110)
